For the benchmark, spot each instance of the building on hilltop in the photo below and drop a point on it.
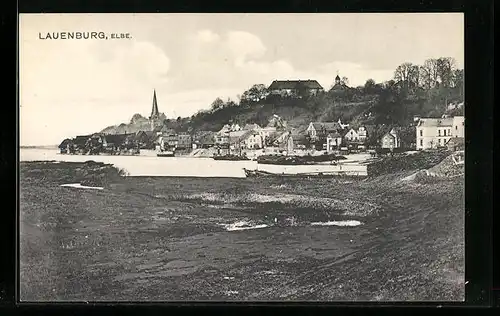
(436, 132)
(339, 86)
(295, 87)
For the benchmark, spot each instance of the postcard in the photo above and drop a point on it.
(241, 157)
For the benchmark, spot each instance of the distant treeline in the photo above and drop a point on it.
(423, 90)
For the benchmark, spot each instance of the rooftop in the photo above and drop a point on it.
(327, 126)
(435, 122)
(294, 84)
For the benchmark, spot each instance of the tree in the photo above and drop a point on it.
(230, 103)
(444, 68)
(256, 93)
(429, 73)
(217, 105)
(457, 80)
(407, 74)
(369, 86)
(408, 136)
(344, 81)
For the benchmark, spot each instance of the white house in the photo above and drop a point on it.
(229, 128)
(322, 129)
(356, 135)
(458, 127)
(436, 132)
(391, 140)
(244, 139)
(224, 130)
(333, 141)
(267, 131)
(253, 140)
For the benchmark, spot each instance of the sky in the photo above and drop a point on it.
(72, 87)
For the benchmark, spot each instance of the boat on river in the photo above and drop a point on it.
(166, 153)
(231, 157)
(332, 174)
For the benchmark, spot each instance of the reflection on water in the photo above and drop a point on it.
(147, 164)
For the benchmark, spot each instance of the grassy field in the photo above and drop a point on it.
(164, 238)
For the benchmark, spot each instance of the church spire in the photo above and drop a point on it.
(154, 110)
(337, 78)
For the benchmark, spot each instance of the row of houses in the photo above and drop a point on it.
(234, 139)
(329, 136)
(101, 143)
(335, 135)
(431, 133)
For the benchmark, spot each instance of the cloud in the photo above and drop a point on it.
(207, 36)
(232, 60)
(236, 60)
(244, 45)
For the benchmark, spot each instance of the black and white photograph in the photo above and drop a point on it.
(241, 157)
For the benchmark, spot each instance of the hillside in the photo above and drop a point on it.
(137, 123)
(357, 106)
(415, 91)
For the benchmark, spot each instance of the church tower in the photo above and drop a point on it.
(337, 79)
(155, 114)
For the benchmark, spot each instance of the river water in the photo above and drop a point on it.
(148, 164)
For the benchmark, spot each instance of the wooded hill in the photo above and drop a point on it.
(423, 90)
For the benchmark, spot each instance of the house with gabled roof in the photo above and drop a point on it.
(80, 142)
(244, 139)
(317, 130)
(333, 141)
(66, 146)
(204, 139)
(295, 87)
(229, 128)
(145, 139)
(250, 127)
(119, 141)
(357, 134)
(391, 139)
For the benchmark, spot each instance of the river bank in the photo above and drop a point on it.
(148, 164)
(162, 238)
